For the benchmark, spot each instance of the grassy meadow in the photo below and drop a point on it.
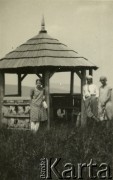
(20, 151)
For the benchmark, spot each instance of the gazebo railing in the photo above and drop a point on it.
(16, 110)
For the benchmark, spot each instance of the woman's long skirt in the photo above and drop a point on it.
(38, 114)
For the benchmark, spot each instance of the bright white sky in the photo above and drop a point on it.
(85, 26)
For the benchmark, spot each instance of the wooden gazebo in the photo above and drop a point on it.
(43, 55)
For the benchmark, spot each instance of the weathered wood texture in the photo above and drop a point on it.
(83, 81)
(47, 92)
(16, 112)
(91, 72)
(72, 83)
(19, 85)
(42, 51)
(1, 95)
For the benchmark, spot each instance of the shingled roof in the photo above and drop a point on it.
(43, 51)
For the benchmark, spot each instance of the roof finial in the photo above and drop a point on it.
(43, 25)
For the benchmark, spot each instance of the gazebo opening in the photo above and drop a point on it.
(60, 83)
(77, 84)
(11, 84)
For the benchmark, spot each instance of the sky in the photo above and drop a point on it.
(84, 26)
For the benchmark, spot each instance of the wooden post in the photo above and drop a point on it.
(19, 85)
(4, 85)
(72, 83)
(1, 95)
(47, 91)
(83, 81)
(43, 79)
(91, 72)
(71, 93)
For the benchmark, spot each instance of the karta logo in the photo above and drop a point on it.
(49, 169)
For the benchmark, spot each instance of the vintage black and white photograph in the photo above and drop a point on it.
(56, 97)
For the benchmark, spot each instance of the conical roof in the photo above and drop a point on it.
(43, 51)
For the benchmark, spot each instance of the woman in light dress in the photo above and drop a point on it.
(105, 100)
(37, 112)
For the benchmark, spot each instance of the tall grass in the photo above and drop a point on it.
(20, 151)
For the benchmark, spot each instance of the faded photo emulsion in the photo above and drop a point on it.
(56, 89)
